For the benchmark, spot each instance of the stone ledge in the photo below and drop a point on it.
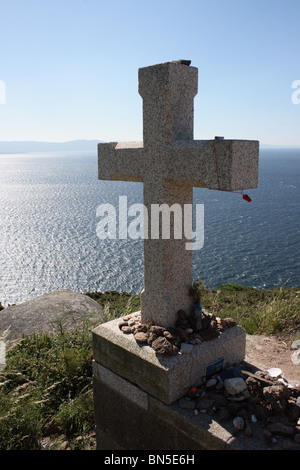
(123, 424)
(133, 393)
(166, 378)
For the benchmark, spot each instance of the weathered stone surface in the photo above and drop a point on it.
(211, 383)
(238, 423)
(158, 330)
(235, 385)
(281, 428)
(169, 163)
(127, 329)
(141, 337)
(166, 378)
(162, 346)
(296, 344)
(119, 406)
(44, 313)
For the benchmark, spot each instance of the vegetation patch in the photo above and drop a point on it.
(46, 398)
(259, 311)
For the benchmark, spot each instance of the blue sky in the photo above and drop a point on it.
(70, 67)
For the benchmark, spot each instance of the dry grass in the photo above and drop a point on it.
(46, 387)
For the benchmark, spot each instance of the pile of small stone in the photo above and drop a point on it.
(188, 330)
(200, 325)
(159, 338)
(248, 398)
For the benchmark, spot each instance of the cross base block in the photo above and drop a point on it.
(163, 377)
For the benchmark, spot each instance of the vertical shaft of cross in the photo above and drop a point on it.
(168, 92)
(168, 265)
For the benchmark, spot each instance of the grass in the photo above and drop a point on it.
(116, 304)
(266, 311)
(46, 387)
(43, 376)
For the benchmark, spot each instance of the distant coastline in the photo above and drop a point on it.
(28, 146)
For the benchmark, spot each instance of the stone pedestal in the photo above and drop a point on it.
(131, 381)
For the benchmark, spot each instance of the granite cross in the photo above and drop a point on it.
(170, 163)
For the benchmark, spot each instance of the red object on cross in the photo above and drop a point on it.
(247, 198)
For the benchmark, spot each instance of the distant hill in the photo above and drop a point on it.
(32, 146)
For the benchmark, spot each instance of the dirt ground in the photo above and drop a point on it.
(266, 352)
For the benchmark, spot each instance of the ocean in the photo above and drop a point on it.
(48, 238)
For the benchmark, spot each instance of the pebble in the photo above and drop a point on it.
(238, 423)
(163, 347)
(248, 431)
(126, 329)
(187, 404)
(287, 445)
(158, 330)
(268, 437)
(211, 383)
(235, 385)
(204, 404)
(223, 414)
(274, 372)
(237, 397)
(186, 348)
(188, 331)
(220, 385)
(280, 428)
(141, 337)
(296, 344)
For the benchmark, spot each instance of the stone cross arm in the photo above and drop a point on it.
(215, 164)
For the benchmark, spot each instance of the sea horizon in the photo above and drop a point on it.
(48, 241)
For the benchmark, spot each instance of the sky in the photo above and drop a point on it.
(69, 68)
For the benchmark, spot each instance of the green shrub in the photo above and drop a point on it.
(77, 416)
(234, 287)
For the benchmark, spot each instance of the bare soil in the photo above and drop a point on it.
(266, 352)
